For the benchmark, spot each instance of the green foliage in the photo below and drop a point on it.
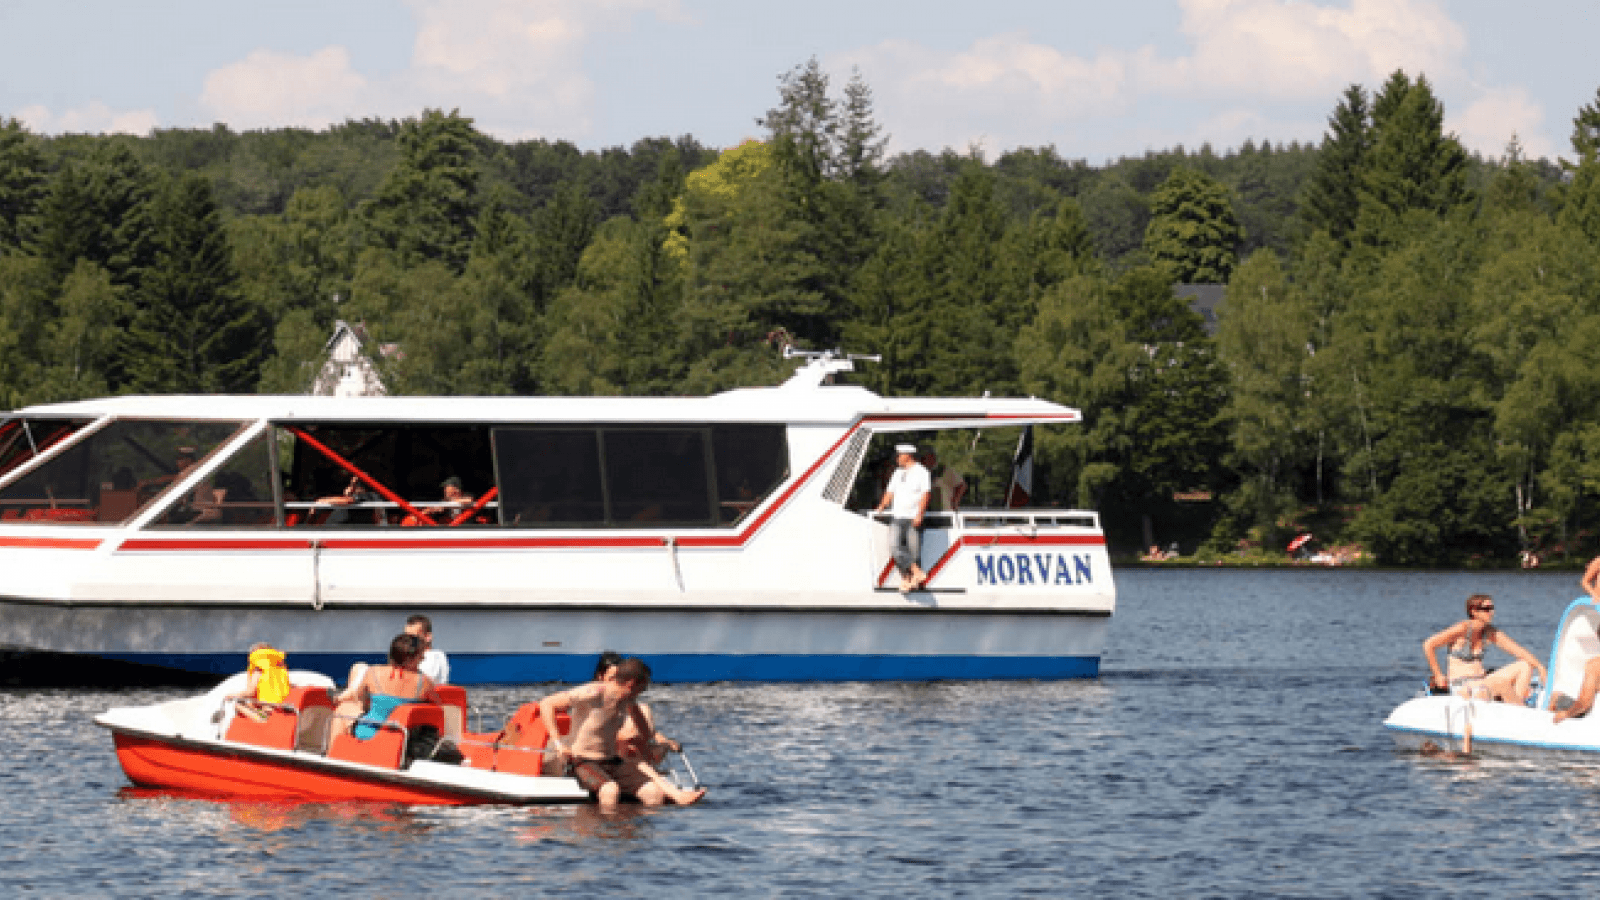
(1332, 196)
(1265, 336)
(1412, 165)
(22, 175)
(1586, 131)
(426, 208)
(1192, 230)
(192, 332)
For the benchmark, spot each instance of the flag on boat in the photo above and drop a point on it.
(1299, 541)
(1021, 491)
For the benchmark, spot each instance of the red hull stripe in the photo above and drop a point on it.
(50, 543)
(443, 539)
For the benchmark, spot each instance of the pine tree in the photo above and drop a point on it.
(427, 206)
(1331, 197)
(193, 332)
(1586, 132)
(96, 210)
(22, 183)
(1413, 166)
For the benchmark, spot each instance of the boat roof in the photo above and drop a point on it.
(787, 404)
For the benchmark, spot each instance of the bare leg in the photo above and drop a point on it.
(653, 789)
(1512, 683)
(1585, 698)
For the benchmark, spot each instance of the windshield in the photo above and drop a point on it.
(111, 474)
(21, 440)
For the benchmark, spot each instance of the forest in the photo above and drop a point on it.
(1403, 357)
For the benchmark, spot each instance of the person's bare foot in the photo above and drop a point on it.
(688, 798)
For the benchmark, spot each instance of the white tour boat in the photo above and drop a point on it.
(721, 537)
(1453, 724)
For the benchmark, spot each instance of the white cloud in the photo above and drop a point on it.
(91, 118)
(1488, 124)
(276, 90)
(1253, 56)
(515, 66)
(1291, 49)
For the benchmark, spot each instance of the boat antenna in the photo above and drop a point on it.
(822, 365)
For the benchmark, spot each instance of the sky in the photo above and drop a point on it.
(1095, 80)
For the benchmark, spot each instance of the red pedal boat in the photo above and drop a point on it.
(202, 745)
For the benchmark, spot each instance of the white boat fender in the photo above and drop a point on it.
(672, 551)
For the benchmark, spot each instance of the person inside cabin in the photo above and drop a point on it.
(1466, 643)
(268, 682)
(199, 504)
(434, 663)
(590, 753)
(907, 500)
(367, 704)
(355, 493)
(948, 484)
(456, 501)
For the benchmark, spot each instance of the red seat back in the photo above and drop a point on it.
(387, 748)
(522, 743)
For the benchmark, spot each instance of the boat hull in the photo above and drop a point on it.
(169, 747)
(511, 646)
(1497, 729)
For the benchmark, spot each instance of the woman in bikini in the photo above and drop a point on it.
(1466, 642)
(364, 706)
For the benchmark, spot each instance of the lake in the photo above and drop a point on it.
(1232, 747)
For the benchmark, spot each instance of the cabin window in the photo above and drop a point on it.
(549, 477)
(751, 461)
(237, 494)
(112, 474)
(657, 476)
(23, 439)
(565, 476)
(366, 475)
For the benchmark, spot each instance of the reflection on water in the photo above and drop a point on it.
(1232, 747)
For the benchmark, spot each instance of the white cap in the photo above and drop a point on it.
(910, 449)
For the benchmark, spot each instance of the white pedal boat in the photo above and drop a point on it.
(1443, 723)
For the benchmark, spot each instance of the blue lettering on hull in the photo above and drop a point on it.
(1033, 568)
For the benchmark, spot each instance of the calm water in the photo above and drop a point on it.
(1232, 747)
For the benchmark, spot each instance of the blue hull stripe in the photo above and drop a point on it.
(490, 668)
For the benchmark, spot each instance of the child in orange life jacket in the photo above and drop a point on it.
(269, 682)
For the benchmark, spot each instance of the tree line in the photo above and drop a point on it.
(1405, 335)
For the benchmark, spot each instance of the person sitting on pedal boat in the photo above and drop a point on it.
(1467, 641)
(590, 753)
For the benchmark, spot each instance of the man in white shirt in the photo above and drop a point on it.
(434, 664)
(907, 499)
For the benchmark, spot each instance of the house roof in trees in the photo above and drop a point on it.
(348, 370)
(1205, 299)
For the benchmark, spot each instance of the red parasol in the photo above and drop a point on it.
(1299, 541)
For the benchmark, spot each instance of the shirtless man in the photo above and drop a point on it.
(1582, 703)
(598, 710)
